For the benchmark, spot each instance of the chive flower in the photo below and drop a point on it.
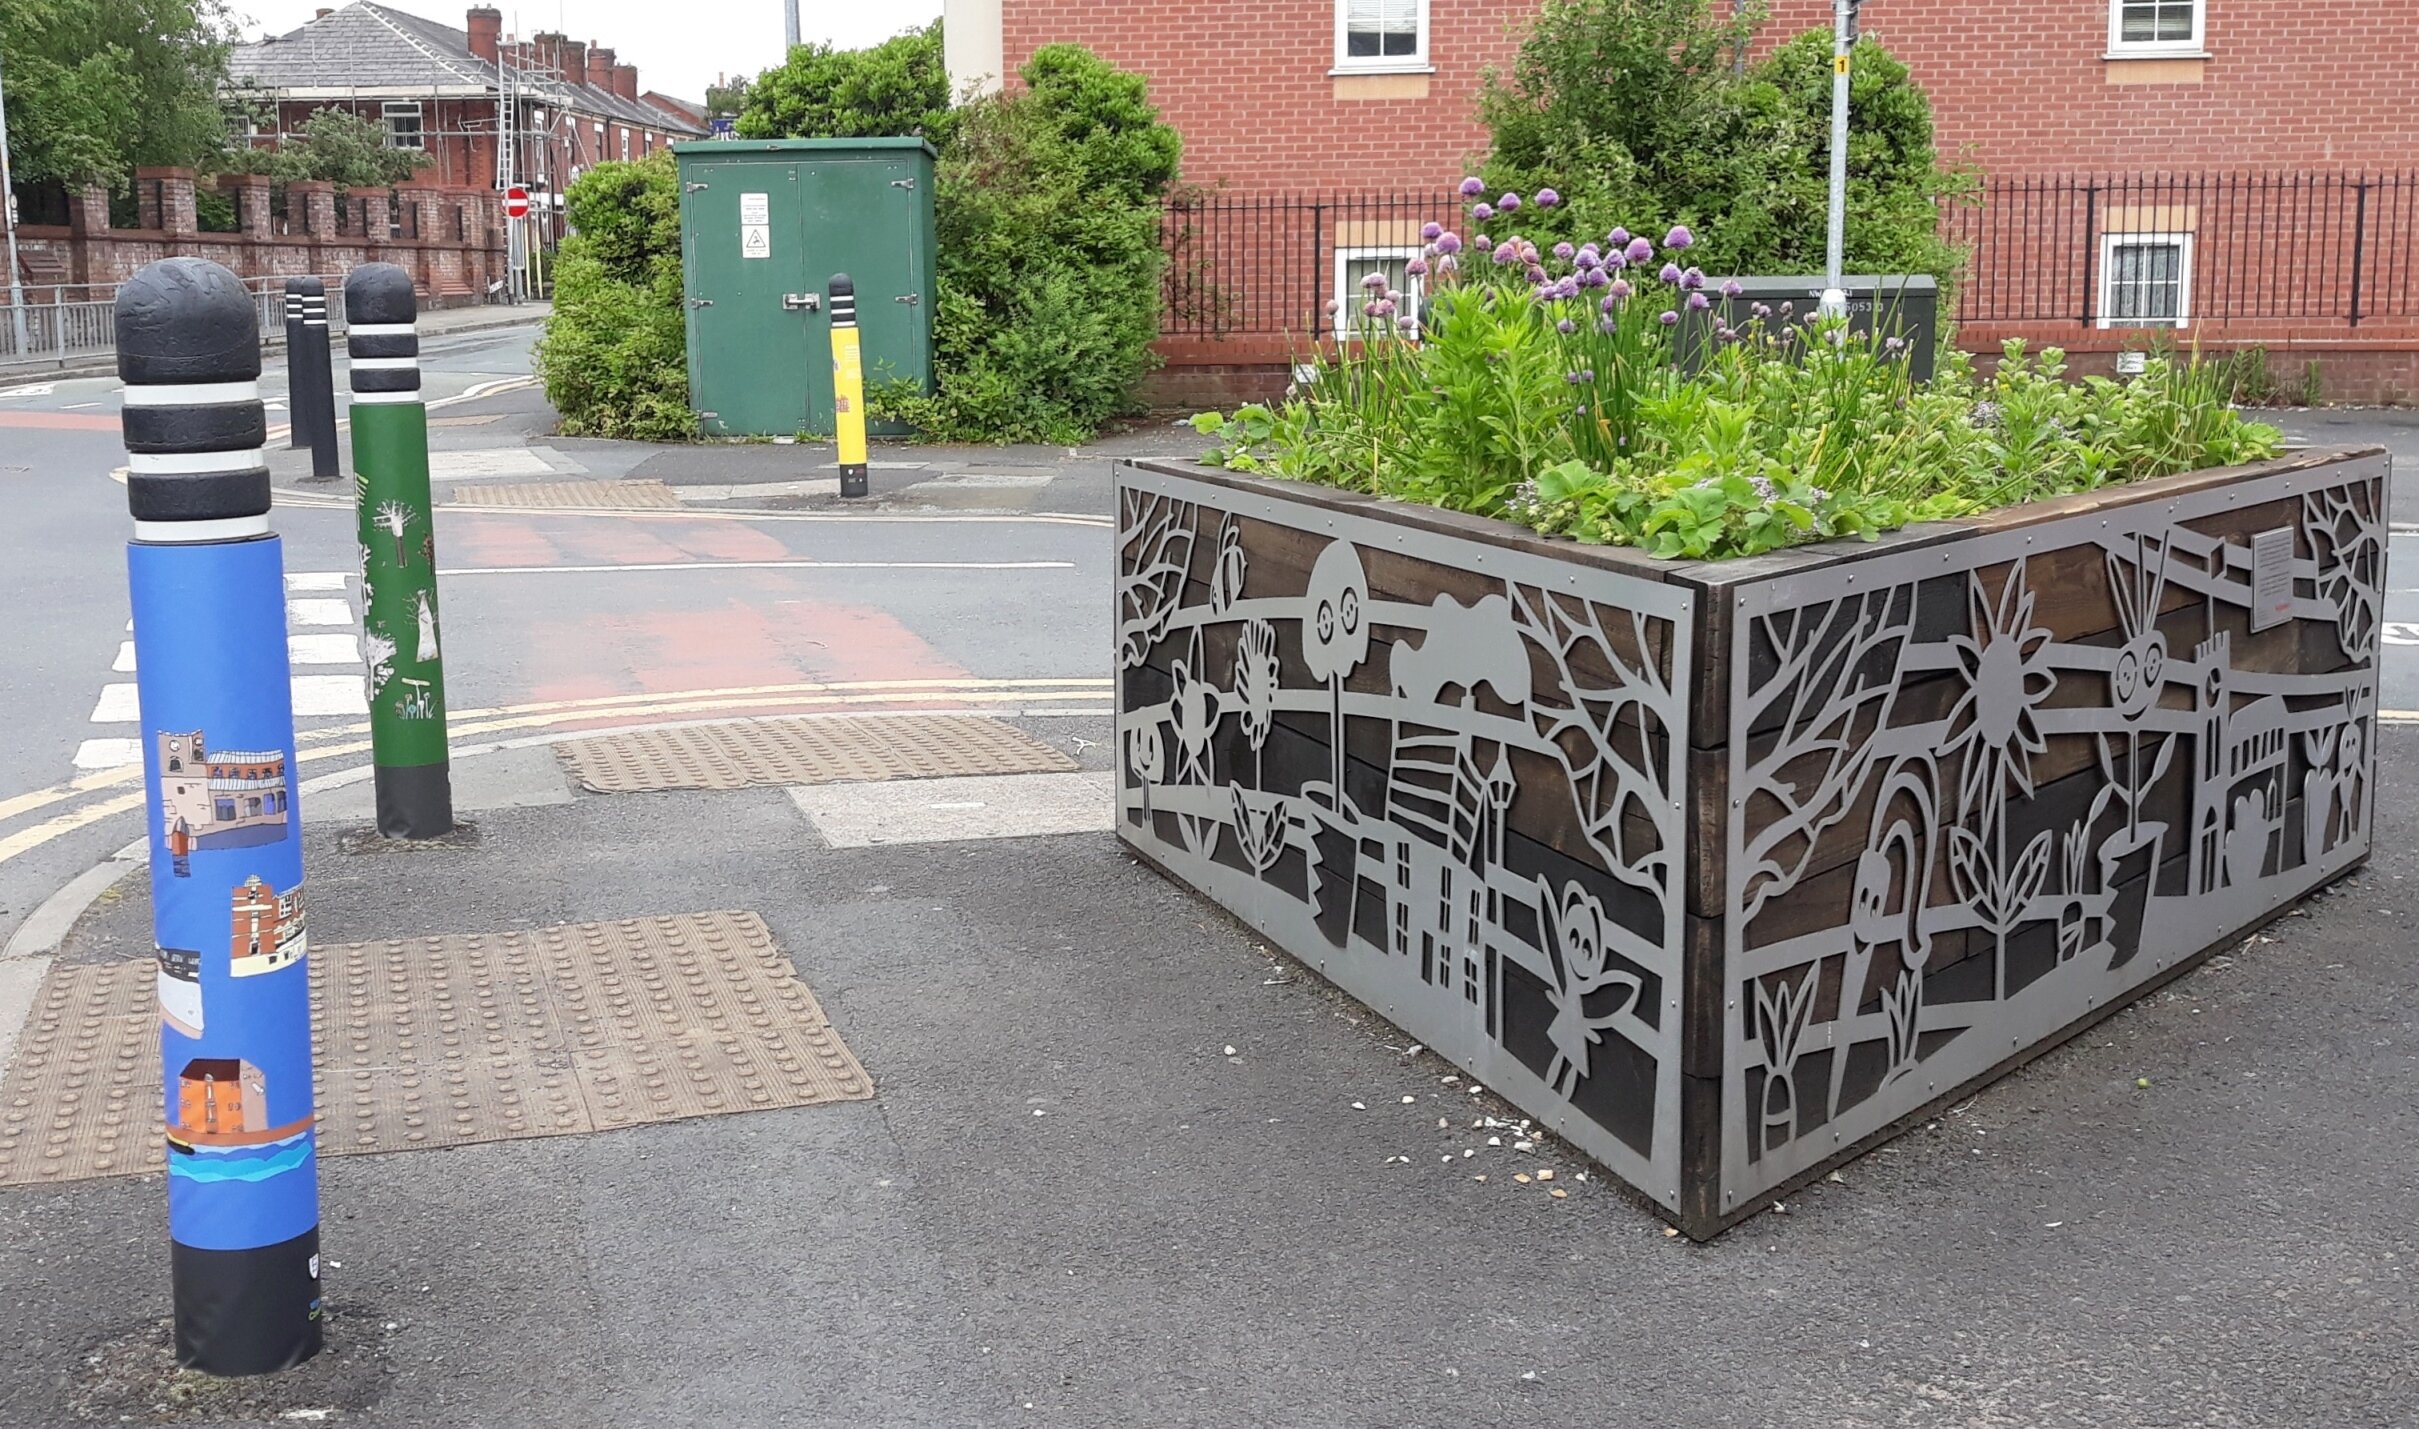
(1508, 203)
(1430, 232)
(1547, 198)
(1679, 238)
(1472, 187)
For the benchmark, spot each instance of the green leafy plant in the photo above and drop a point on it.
(1640, 110)
(338, 146)
(1542, 388)
(896, 88)
(614, 358)
(97, 88)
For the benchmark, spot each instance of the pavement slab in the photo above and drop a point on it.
(1072, 1204)
(806, 751)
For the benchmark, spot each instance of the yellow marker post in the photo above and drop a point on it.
(848, 385)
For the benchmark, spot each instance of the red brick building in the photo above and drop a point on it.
(2147, 162)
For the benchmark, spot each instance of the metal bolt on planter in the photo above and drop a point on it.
(207, 582)
(398, 556)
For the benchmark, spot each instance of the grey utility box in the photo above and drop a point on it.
(1903, 305)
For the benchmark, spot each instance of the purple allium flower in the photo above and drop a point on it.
(1671, 273)
(1430, 232)
(1369, 310)
(1483, 241)
(1394, 295)
(1587, 374)
(1448, 264)
(1762, 310)
(1482, 213)
(1385, 307)
(1589, 256)
(1618, 238)
(1616, 260)
(1566, 327)
(1787, 308)
(1374, 282)
(1639, 250)
(1568, 287)
(1693, 279)
(1608, 325)
(1698, 302)
(1448, 242)
(1679, 238)
(1473, 186)
(1667, 317)
(1534, 274)
(1894, 343)
(1332, 306)
(1564, 251)
(1547, 198)
(1621, 288)
(1506, 254)
(1573, 378)
(1731, 288)
(1592, 278)
(1837, 337)
(1508, 203)
(1408, 324)
(1417, 267)
(1724, 334)
(1610, 305)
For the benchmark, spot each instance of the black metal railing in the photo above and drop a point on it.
(2334, 250)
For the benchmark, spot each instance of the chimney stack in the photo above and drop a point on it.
(486, 31)
(625, 80)
(600, 66)
(574, 55)
(324, 12)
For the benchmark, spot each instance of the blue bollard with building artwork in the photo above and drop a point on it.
(207, 582)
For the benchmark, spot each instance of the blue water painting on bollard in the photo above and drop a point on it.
(226, 883)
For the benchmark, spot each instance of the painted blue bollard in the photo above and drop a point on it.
(207, 581)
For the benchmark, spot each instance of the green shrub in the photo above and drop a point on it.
(614, 357)
(896, 88)
(1544, 391)
(1049, 261)
(1637, 110)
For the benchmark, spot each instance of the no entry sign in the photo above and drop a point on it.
(516, 202)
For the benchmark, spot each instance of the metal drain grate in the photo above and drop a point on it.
(806, 751)
(569, 495)
(453, 1040)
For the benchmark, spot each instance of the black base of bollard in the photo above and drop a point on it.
(415, 801)
(242, 1312)
(852, 481)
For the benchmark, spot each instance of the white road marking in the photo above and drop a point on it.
(315, 580)
(2400, 632)
(124, 664)
(37, 389)
(329, 695)
(994, 806)
(119, 705)
(108, 753)
(318, 612)
(494, 461)
(78, 406)
(344, 649)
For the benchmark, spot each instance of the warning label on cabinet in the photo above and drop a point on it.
(755, 226)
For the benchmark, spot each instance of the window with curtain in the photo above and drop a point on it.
(2154, 25)
(1381, 33)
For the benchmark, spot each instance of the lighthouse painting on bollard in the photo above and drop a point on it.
(207, 581)
(398, 556)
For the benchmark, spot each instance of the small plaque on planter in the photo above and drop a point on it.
(2271, 578)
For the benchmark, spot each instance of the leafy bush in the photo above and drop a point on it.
(615, 355)
(1636, 108)
(898, 87)
(339, 146)
(1049, 263)
(1544, 392)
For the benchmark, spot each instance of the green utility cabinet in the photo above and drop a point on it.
(764, 224)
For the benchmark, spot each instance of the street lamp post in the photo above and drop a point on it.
(8, 202)
(1843, 40)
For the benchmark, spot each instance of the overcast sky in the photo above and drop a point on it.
(675, 52)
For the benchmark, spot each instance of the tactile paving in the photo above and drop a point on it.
(569, 495)
(452, 1040)
(806, 751)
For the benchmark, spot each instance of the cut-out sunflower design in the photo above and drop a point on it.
(2007, 676)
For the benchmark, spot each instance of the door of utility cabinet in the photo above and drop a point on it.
(754, 354)
(865, 218)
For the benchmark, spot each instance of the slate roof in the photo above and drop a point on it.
(368, 45)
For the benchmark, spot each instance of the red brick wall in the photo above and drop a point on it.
(2017, 85)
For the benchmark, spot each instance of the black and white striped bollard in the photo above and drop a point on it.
(318, 362)
(298, 376)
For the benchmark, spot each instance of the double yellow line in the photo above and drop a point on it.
(108, 790)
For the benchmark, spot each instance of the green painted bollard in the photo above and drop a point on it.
(398, 555)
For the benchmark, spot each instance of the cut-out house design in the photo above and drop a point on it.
(269, 930)
(222, 799)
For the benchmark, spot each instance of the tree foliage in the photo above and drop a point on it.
(99, 88)
(1048, 207)
(899, 87)
(615, 355)
(1636, 112)
(339, 146)
(728, 96)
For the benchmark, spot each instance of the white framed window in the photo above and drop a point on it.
(1381, 35)
(1353, 268)
(402, 119)
(2146, 280)
(2155, 27)
(625, 146)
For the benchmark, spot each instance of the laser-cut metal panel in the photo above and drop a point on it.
(1985, 788)
(1447, 774)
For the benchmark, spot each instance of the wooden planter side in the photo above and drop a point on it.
(1502, 875)
(1975, 792)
